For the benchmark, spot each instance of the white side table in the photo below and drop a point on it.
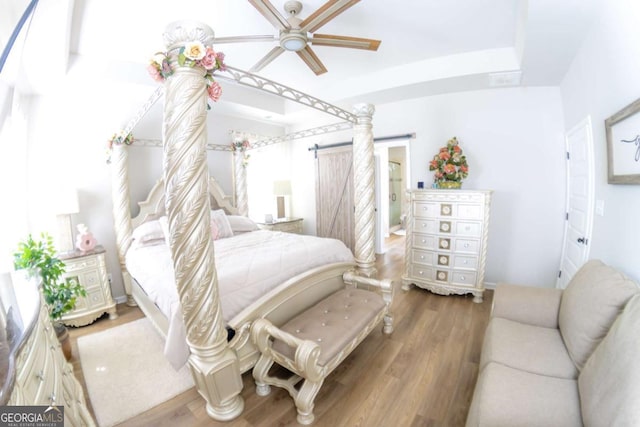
(90, 270)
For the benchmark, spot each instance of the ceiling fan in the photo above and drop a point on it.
(296, 34)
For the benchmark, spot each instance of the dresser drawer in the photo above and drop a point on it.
(424, 241)
(466, 228)
(465, 262)
(424, 226)
(467, 245)
(469, 211)
(425, 210)
(422, 257)
(421, 272)
(463, 278)
(80, 264)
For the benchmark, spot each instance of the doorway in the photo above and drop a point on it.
(395, 196)
(392, 176)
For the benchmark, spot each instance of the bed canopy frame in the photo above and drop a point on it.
(215, 366)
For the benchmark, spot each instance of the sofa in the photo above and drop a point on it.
(553, 357)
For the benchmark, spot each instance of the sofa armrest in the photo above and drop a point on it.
(527, 304)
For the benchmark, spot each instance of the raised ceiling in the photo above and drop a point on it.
(428, 46)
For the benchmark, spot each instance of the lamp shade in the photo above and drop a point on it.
(282, 188)
(67, 201)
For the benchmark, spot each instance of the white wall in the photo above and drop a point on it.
(604, 78)
(513, 139)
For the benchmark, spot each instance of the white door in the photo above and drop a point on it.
(579, 212)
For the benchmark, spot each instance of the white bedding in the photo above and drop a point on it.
(248, 266)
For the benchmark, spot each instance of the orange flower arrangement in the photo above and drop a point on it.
(449, 164)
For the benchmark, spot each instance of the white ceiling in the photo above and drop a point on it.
(428, 46)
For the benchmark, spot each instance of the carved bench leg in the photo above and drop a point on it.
(304, 400)
(260, 375)
(387, 327)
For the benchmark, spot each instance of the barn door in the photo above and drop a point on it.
(334, 195)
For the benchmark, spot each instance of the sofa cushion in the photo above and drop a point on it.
(526, 347)
(591, 302)
(609, 383)
(507, 397)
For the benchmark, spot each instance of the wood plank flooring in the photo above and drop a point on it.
(421, 375)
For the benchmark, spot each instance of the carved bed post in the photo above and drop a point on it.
(240, 182)
(214, 366)
(121, 211)
(364, 190)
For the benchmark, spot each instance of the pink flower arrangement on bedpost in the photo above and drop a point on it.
(191, 55)
(449, 164)
(242, 146)
(118, 138)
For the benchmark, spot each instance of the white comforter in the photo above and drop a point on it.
(248, 266)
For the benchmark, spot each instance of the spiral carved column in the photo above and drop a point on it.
(214, 366)
(121, 216)
(364, 190)
(240, 182)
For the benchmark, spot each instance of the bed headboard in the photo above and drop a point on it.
(153, 207)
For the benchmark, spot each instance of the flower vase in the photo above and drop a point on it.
(449, 185)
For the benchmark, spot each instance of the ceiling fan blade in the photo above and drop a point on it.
(266, 60)
(310, 58)
(271, 13)
(325, 13)
(344, 41)
(240, 39)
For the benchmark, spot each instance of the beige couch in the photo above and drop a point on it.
(562, 358)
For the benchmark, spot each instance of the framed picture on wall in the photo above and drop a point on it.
(623, 145)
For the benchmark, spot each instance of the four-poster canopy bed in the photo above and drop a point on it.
(186, 195)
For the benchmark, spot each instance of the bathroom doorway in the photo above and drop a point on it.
(395, 196)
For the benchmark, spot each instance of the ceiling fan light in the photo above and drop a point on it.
(293, 42)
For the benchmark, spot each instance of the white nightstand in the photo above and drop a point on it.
(288, 225)
(90, 270)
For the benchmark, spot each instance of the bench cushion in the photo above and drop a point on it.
(333, 322)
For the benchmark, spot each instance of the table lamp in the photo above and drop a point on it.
(66, 205)
(282, 191)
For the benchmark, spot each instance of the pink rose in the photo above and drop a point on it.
(155, 73)
(449, 169)
(220, 59)
(215, 91)
(208, 61)
(444, 155)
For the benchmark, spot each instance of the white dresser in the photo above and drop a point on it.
(446, 241)
(33, 370)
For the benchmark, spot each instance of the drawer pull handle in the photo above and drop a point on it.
(461, 277)
(40, 375)
(424, 225)
(421, 272)
(421, 256)
(466, 245)
(52, 398)
(424, 241)
(465, 262)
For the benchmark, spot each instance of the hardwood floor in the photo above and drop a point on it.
(421, 375)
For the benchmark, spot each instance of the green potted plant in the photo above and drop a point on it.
(38, 258)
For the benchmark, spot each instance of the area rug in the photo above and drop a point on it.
(127, 373)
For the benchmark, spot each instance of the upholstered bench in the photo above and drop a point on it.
(315, 342)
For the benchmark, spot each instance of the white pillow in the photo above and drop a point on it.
(148, 234)
(241, 224)
(220, 222)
